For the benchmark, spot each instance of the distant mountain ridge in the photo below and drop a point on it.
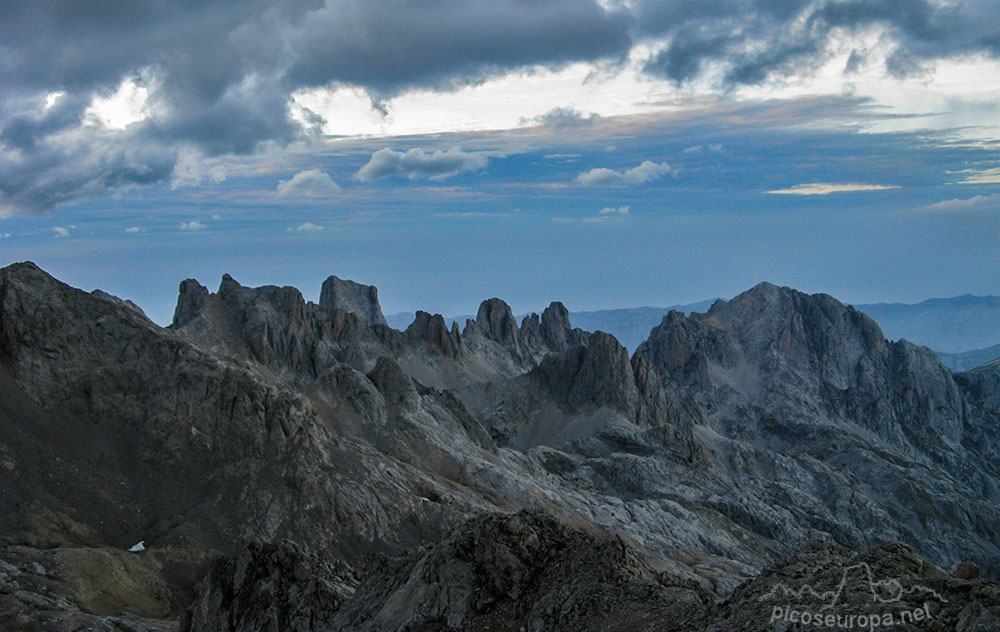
(968, 360)
(629, 325)
(949, 326)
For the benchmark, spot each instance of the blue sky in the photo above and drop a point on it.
(601, 174)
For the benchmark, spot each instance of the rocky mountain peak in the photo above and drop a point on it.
(496, 322)
(601, 374)
(191, 300)
(800, 321)
(556, 331)
(352, 297)
(767, 326)
(598, 374)
(277, 327)
(229, 284)
(433, 330)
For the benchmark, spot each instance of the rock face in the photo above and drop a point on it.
(348, 296)
(555, 330)
(495, 334)
(270, 587)
(275, 327)
(601, 374)
(851, 421)
(433, 331)
(523, 572)
(531, 571)
(982, 385)
(723, 445)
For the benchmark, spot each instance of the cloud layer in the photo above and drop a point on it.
(215, 78)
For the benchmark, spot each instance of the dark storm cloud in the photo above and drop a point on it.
(755, 39)
(396, 45)
(219, 74)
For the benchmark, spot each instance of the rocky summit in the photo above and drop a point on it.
(288, 465)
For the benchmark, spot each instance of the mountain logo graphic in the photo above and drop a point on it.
(884, 591)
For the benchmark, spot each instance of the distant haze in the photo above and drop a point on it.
(952, 325)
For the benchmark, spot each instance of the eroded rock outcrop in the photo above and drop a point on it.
(276, 327)
(525, 571)
(270, 587)
(494, 334)
(433, 331)
(532, 571)
(348, 296)
(982, 385)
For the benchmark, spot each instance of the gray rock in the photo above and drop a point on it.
(524, 571)
(863, 422)
(270, 587)
(601, 375)
(358, 299)
(965, 570)
(191, 300)
(433, 331)
(982, 385)
(556, 332)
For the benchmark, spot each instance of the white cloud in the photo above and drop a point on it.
(507, 101)
(311, 183)
(565, 157)
(417, 163)
(980, 176)
(477, 214)
(133, 229)
(127, 105)
(607, 214)
(600, 177)
(958, 205)
(700, 149)
(60, 231)
(641, 174)
(4, 235)
(825, 188)
(561, 117)
(307, 227)
(194, 168)
(192, 225)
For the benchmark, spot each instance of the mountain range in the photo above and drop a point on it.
(290, 465)
(963, 330)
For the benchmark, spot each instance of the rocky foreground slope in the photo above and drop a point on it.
(308, 467)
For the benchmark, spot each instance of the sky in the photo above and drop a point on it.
(611, 153)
